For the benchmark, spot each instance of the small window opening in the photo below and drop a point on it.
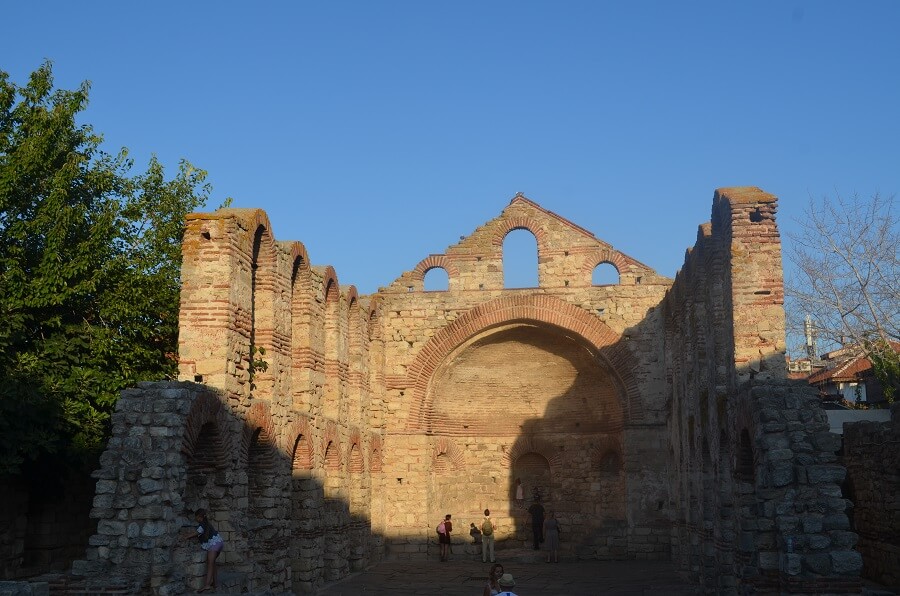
(437, 280)
(605, 274)
(756, 215)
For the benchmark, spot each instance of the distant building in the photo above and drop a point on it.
(847, 377)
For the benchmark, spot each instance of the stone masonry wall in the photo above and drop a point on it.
(756, 483)
(324, 430)
(872, 456)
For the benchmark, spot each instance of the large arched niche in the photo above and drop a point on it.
(524, 378)
(546, 316)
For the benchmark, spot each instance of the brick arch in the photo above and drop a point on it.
(205, 441)
(298, 257)
(528, 444)
(331, 459)
(375, 453)
(354, 322)
(373, 315)
(350, 294)
(331, 289)
(258, 421)
(355, 460)
(445, 446)
(543, 309)
(297, 441)
(252, 220)
(264, 292)
(606, 255)
(433, 262)
(506, 226)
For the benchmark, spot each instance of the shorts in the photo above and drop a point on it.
(444, 538)
(214, 544)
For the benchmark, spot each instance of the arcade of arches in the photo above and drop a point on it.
(623, 405)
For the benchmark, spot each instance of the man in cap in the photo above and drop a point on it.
(506, 582)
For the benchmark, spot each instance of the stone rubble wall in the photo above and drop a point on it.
(179, 446)
(872, 456)
(757, 483)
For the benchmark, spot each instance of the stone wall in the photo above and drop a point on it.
(324, 430)
(755, 479)
(872, 456)
(177, 447)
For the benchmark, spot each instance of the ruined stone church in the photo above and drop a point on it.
(324, 430)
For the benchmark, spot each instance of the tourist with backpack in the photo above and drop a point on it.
(444, 530)
(487, 537)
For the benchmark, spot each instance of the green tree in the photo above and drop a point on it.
(89, 272)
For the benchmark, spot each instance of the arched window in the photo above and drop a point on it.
(437, 280)
(605, 274)
(520, 258)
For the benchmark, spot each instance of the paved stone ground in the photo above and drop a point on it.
(465, 577)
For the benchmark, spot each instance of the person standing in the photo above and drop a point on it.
(520, 494)
(444, 537)
(551, 535)
(487, 537)
(537, 522)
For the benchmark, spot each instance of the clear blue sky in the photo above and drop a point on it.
(379, 132)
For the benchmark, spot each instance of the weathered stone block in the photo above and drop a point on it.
(826, 474)
(848, 562)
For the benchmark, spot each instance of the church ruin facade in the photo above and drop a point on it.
(325, 430)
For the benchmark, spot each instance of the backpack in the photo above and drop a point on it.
(441, 528)
(487, 528)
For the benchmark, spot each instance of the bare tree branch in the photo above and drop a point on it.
(846, 274)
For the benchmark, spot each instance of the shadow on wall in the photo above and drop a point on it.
(594, 457)
(291, 521)
(577, 473)
(44, 522)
